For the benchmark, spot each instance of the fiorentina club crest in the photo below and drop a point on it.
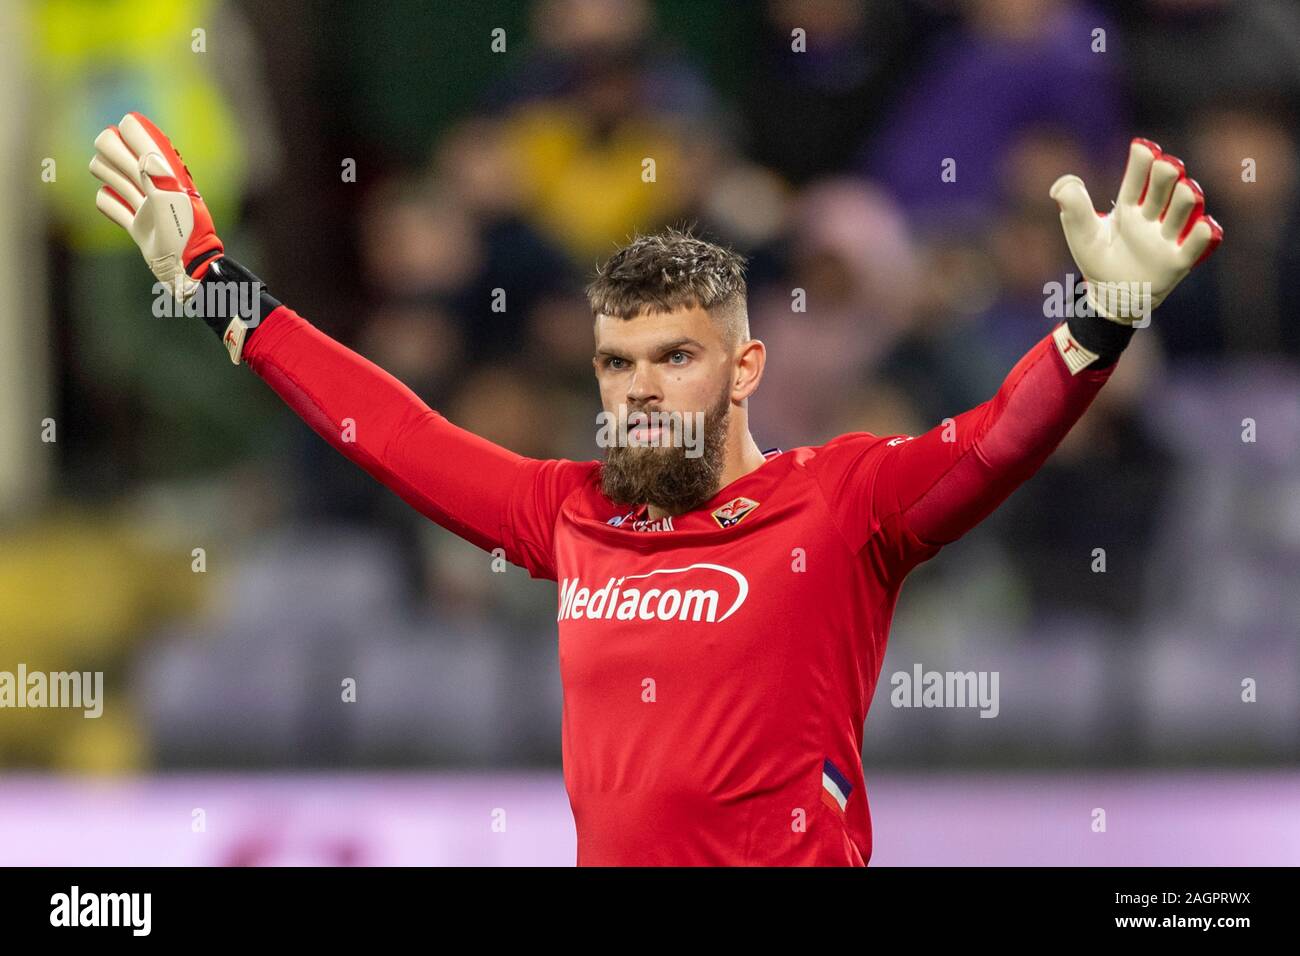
(735, 509)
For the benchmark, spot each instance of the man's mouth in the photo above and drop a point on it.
(639, 427)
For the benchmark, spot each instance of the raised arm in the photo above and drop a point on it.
(909, 496)
(932, 489)
(480, 491)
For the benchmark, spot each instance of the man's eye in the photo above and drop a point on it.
(613, 363)
(682, 354)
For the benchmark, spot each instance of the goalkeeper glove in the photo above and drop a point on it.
(149, 192)
(1133, 256)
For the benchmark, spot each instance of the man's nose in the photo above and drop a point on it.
(643, 387)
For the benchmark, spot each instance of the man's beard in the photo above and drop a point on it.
(664, 476)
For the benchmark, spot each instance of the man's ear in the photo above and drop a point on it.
(749, 367)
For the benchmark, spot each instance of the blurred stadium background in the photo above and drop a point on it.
(517, 170)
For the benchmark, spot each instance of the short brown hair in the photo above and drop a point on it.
(670, 270)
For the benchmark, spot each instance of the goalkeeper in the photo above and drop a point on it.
(722, 616)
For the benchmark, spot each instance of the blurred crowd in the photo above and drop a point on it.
(488, 185)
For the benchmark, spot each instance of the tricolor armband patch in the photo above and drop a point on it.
(835, 787)
(1077, 358)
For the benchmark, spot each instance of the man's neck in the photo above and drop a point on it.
(740, 462)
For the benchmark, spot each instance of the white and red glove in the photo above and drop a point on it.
(148, 191)
(1133, 256)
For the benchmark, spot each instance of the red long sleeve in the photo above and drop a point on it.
(913, 495)
(480, 491)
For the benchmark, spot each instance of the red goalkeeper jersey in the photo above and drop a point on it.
(717, 666)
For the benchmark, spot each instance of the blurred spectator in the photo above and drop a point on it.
(1012, 64)
(577, 42)
(1182, 53)
(1241, 303)
(600, 125)
(516, 266)
(853, 276)
(806, 109)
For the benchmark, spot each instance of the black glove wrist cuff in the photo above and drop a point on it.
(1108, 339)
(228, 290)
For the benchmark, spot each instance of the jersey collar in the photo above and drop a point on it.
(642, 511)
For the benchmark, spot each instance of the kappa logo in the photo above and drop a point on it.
(641, 524)
(654, 524)
(733, 511)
